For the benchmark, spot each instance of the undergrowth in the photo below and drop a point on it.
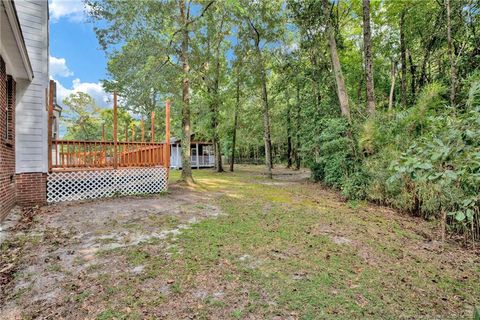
(424, 159)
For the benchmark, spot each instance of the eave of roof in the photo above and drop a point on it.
(17, 31)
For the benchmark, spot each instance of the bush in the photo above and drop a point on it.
(337, 166)
(425, 159)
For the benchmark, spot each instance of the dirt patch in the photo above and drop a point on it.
(11, 252)
(73, 240)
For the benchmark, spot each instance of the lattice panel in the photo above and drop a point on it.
(81, 185)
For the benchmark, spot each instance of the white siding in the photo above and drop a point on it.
(31, 111)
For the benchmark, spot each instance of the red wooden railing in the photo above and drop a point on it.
(87, 155)
(72, 154)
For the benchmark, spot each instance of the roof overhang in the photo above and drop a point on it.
(16, 31)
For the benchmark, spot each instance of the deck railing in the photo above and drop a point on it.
(86, 155)
(71, 154)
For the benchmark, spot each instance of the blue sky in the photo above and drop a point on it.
(76, 61)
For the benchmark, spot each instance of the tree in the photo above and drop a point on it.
(162, 30)
(186, 136)
(235, 115)
(263, 21)
(337, 68)
(451, 53)
(367, 48)
(81, 117)
(403, 54)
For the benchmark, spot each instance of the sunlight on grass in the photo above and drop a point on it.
(280, 250)
(279, 241)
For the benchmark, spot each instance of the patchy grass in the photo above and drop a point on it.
(278, 249)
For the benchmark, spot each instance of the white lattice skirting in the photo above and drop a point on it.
(81, 185)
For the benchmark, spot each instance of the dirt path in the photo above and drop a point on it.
(235, 246)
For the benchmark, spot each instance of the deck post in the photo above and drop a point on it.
(152, 128)
(167, 136)
(115, 130)
(50, 123)
(198, 158)
(143, 130)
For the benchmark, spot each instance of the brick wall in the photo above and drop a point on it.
(31, 188)
(7, 146)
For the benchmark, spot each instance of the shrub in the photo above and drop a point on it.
(425, 159)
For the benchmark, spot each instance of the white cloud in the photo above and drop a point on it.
(95, 90)
(73, 10)
(58, 67)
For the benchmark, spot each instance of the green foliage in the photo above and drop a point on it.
(84, 120)
(81, 117)
(337, 166)
(425, 160)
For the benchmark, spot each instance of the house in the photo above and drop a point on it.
(202, 154)
(24, 82)
(37, 167)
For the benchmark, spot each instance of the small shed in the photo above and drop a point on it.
(201, 153)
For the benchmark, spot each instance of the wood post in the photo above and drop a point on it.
(50, 123)
(115, 130)
(143, 130)
(152, 128)
(103, 132)
(167, 135)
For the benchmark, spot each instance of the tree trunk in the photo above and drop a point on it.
(337, 69)
(216, 104)
(403, 55)
(392, 85)
(451, 55)
(367, 47)
(186, 139)
(427, 52)
(297, 147)
(235, 122)
(266, 116)
(216, 138)
(413, 71)
(289, 136)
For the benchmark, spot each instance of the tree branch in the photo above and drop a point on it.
(189, 22)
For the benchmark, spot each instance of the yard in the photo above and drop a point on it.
(235, 246)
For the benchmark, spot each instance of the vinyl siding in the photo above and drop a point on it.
(31, 111)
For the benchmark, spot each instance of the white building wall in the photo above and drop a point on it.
(31, 111)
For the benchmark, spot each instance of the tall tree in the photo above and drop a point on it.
(186, 132)
(337, 68)
(235, 119)
(367, 48)
(264, 22)
(159, 33)
(403, 60)
(451, 54)
(266, 116)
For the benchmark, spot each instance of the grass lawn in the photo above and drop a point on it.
(242, 247)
